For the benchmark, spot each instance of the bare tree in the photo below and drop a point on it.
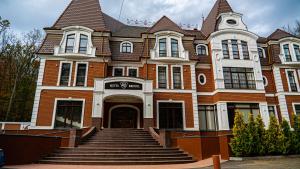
(295, 30)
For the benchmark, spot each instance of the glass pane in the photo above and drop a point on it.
(83, 44)
(68, 114)
(70, 43)
(225, 49)
(287, 53)
(297, 52)
(174, 47)
(163, 47)
(81, 74)
(65, 74)
(118, 72)
(245, 50)
(177, 77)
(235, 49)
(162, 77)
(297, 109)
(132, 72)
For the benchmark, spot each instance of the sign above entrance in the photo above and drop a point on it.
(124, 85)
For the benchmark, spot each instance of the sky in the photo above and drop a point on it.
(261, 16)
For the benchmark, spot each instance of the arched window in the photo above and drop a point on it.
(126, 47)
(261, 52)
(202, 79)
(201, 49)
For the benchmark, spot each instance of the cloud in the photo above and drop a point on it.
(262, 17)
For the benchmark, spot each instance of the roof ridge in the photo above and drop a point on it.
(167, 19)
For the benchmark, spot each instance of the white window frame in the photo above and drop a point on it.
(86, 73)
(206, 48)
(172, 101)
(131, 45)
(288, 80)
(60, 69)
(264, 53)
(181, 71)
(266, 79)
(123, 71)
(202, 74)
(167, 73)
(67, 99)
(136, 68)
(294, 109)
(275, 109)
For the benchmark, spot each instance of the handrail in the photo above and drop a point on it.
(88, 134)
(154, 134)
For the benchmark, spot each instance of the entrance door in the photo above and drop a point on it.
(124, 117)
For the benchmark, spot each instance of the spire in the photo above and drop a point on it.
(82, 13)
(165, 24)
(209, 24)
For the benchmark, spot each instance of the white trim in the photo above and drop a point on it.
(171, 101)
(294, 110)
(125, 105)
(59, 72)
(264, 53)
(172, 91)
(202, 74)
(206, 48)
(229, 91)
(131, 46)
(167, 74)
(75, 88)
(288, 79)
(136, 68)
(67, 99)
(123, 70)
(266, 80)
(86, 73)
(181, 76)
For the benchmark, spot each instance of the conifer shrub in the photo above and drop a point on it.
(238, 143)
(261, 136)
(251, 137)
(274, 138)
(288, 137)
(296, 135)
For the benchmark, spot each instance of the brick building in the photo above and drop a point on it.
(97, 71)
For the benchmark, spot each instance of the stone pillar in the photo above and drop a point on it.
(222, 112)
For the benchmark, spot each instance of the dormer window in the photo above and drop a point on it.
(261, 52)
(83, 43)
(174, 48)
(287, 53)
(70, 43)
(126, 47)
(163, 47)
(201, 50)
(297, 52)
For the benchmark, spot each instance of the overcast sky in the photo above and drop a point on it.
(261, 16)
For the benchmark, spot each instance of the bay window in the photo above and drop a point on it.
(239, 78)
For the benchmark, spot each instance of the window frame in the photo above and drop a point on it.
(79, 43)
(246, 52)
(215, 111)
(263, 52)
(295, 78)
(167, 76)
(86, 74)
(177, 49)
(284, 53)
(131, 68)
(294, 108)
(181, 76)
(296, 56)
(166, 47)
(227, 49)
(245, 72)
(206, 49)
(60, 71)
(238, 56)
(123, 71)
(126, 42)
(74, 42)
(275, 110)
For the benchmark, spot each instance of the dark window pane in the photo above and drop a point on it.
(118, 72)
(235, 49)
(292, 81)
(177, 78)
(83, 43)
(162, 77)
(163, 47)
(245, 50)
(174, 48)
(225, 49)
(81, 74)
(297, 52)
(65, 74)
(272, 111)
(297, 109)
(132, 72)
(260, 53)
(126, 47)
(170, 116)
(68, 114)
(201, 50)
(70, 43)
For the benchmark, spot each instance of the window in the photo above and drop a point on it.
(118, 71)
(202, 79)
(265, 81)
(177, 81)
(201, 50)
(292, 81)
(261, 52)
(245, 109)
(65, 74)
(297, 109)
(163, 47)
(70, 43)
(162, 77)
(272, 111)
(68, 114)
(235, 49)
(83, 43)
(174, 48)
(126, 47)
(207, 117)
(225, 49)
(297, 52)
(245, 50)
(81, 74)
(133, 72)
(239, 78)
(170, 115)
(287, 53)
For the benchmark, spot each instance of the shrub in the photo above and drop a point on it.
(274, 138)
(287, 137)
(252, 137)
(296, 135)
(238, 142)
(261, 134)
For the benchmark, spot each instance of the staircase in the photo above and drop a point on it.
(119, 147)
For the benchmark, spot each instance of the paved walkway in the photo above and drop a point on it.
(199, 164)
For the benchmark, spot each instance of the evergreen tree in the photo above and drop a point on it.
(287, 140)
(252, 137)
(274, 138)
(261, 134)
(238, 142)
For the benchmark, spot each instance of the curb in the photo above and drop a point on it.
(262, 157)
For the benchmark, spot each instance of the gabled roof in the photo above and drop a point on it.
(84, 13)
(279, 34)
(209, 24)
(165, 24)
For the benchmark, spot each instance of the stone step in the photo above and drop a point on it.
(117, 158)
(119, 152)
(118, 139)
(94, 146)
(143, 149)
(124, 154)
(121, 142)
